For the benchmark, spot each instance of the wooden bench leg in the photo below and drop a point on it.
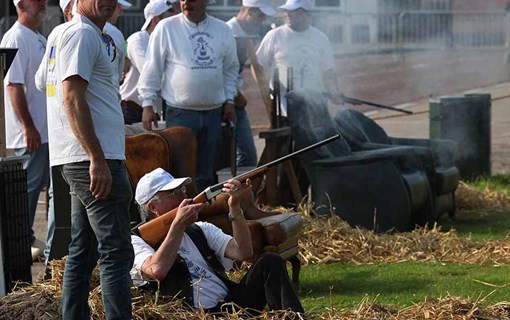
(296, 268)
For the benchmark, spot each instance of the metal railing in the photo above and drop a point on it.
(430, 29)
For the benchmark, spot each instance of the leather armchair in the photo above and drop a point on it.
(174, 149)
(436, 155)
(377, 189)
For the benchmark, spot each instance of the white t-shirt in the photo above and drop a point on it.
(78, 50)
(120, 48)
(137, 44)
(193, 65)
(242, 51)
(212, 289)
(308, 53)
(31, 46)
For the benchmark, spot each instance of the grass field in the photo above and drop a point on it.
(341, 286)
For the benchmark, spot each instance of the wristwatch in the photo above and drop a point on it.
(240, 215)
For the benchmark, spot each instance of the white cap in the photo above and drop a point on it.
(155, 181)
(291, 5)
(263, 5)
(124, 4)
(63, 4)
(153, 9)
(15, 2)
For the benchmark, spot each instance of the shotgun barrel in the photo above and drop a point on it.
(356, 101)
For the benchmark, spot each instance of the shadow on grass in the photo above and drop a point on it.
(490, 225)
(360, 283)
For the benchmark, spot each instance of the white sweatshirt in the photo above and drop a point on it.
(193, 65)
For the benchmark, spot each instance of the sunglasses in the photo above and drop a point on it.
(175, 192)
(110, 46)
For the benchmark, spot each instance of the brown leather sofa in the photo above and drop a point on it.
(174, 149)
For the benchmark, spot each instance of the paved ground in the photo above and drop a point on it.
(382, 79)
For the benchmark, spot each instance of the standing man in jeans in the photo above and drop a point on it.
(245, 25)
(26, 129)
(192, 59)
(87, 142)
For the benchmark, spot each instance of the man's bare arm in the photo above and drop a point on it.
(158, 265)
(80, 120)
(19, 103)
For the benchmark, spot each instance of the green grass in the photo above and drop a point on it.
(343, 286)
(499, 182)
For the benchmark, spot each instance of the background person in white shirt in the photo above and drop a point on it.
(137, 44)
(267, 281)
(119, 42)
(245, 25)
(192, 62)
(40, 81)
(302, 48)
(26, 129)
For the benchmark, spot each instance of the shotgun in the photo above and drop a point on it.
(356, 101)
(155, 230)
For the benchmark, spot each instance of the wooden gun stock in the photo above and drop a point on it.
(154, 231)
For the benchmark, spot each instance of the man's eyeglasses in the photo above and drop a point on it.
(110, 46)
(175, 192)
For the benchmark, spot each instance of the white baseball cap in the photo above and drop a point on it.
(155, 181)
(154, 8)
(63, 4)
(15, 2)
(291, 5)
(263, 5)
(124, 4)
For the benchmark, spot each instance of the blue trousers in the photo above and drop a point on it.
(38, 168)
(246, 151)
(98, 228)
(207, 127)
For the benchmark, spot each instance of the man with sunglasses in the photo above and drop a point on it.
(137, 44)
(302, 53)
(87, 145)
(179, 264)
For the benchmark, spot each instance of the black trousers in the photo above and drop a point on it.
(266, 283)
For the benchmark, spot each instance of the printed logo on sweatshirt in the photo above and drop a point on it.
(203, 53)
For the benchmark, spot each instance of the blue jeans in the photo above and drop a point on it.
(51, 222)
(38, 168)
(98, 228)
(207, 127)
(246, 151)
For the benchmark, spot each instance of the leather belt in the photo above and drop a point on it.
(131, 105)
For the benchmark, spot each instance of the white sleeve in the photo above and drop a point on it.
(40, 75)
(230, 68)
(217, 241)
(77, 47)
(328, 60)
(136, 53)
(142, 251)
(151, 75)
(265, 51)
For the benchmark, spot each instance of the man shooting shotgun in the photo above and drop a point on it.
(154, 231)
